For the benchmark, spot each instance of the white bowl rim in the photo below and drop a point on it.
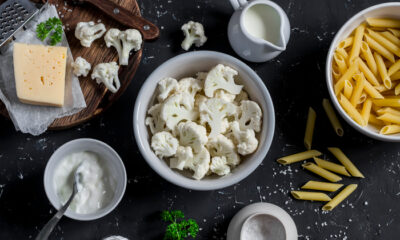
(348, 119)
(93, 216)
(218, 183)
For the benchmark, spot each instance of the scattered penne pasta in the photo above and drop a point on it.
(299, 157)
(383, 22)
(321, 172)
(339, 197)
(333, 167)
(332, 117)
(351, 168)
(322, 186)
(311, 196)
(308, 136)
(390, 129)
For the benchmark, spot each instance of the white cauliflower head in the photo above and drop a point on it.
(164, 144)
(167, 86)
(250, 115)
(81, 67)
(199, 100)
(213, 112)
(246, 141)
(123, 42)
(222, 94)
(220, 166)
(194, 34)
(87, 32)
(176, 108)
(221, 77)
(185, 159)
(192, 134)
(190, 85)
(220, 146)
(155, 123)
(107, 73)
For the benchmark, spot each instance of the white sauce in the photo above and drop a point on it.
(263, 227)
(95, 183)
(262, 21)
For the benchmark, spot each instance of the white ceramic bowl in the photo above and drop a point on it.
(188, 64)
(112, 161)
(386, 10)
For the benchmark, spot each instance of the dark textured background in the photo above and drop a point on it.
(295, 80)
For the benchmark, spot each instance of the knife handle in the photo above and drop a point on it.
(148, 30)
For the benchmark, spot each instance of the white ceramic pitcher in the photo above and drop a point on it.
(259, 30)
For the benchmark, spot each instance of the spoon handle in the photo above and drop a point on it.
(48, 228)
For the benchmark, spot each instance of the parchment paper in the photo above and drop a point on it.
(30, 118)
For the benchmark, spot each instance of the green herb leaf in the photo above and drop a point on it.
(52, 27)
(179, 230)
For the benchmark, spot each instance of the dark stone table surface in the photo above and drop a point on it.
(295, 79)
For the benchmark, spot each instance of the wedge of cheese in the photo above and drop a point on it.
(40, 74)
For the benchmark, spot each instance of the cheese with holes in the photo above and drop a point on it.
(40, 74)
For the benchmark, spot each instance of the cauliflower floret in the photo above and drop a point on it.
(221, 146)
(123, 42)
(246, 141)
(219, 166)
(176, 108)
(241, 96)
(164, 144)
(185, 159)
(250, 115)
(167, 86)
(81, 67)
(213, 112)
(222, 94)
(87, 32)
(107, 73)
(194, 33)
(192, 134)
(199, 100)
(155, 122)
(189, 85)
(221, 77)
(201, 76)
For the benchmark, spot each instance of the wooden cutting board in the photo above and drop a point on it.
(98, 99)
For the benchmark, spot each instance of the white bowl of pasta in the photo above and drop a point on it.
(363, 71)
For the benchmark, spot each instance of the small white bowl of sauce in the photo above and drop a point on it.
(102, 178)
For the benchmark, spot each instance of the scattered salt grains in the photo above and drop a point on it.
(366, 203)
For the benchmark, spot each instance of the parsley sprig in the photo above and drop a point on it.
(52, 27)
(179, 230)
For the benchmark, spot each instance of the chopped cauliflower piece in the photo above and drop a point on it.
(176, 108)
(250, 115)
(81, 67)
(219, 166)
(189, 85)
(155, 122)
(107, 73)
(201, 76)
(87, 32)
(241, 96)
(222, 146)
(222, 94)
(192, 134)
(194, 34)
(199, 100)
(213, 112)
(164, 144)
(185, 159)
(221, 77)
(246, 141)
(123, 42)
(167, 86)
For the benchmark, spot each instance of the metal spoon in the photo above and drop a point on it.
(48, 228)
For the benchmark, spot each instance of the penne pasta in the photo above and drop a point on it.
(345, 43)
(389, 36)
(298, 157)
(388, 110)
(311, 196)
(351, 110)
(362, 99)
(395, 76)
(394, 68)
(341, 63)
(390, 129)
(346, 76)
(335, 72)
(387, 102)
(321, 172)
(373, 120)
(379, 48)
(337, 126)
(397, 89)
(387, 82)
(340, 197)
(360, 82)
(348, 89)
(384, 42)
(322, 186)
(371, 91)
(308, 136)
(368, 74)
(351, 168)
(333, 167)
(343, 53)
(366, 52)
(366, 110)
(355, 50)
(395, 32)
(383, 22)
(389, 117)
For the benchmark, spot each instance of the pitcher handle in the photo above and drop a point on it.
(236, 4)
